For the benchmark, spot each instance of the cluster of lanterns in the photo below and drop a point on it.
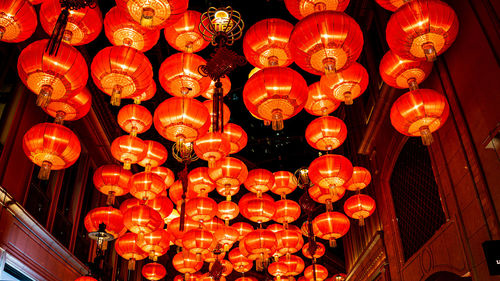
(325, 42)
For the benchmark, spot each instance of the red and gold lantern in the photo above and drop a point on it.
(146, 185)
(243, 228)
(403, 73)
(226, 87)
(318, 253)
(287, 211)
(156, 155)
(237, 137)
(154, 14)
(229, 173)
(259, 181)
(318, 102)
(156, 243)
(186, 264)
(361, 178)
(18, 21)
(346, 85)
(162, 205)
(166, 174)
(126, 247)
(134, 119)
(257, 209)
(111, 217)
(154, 271)
(212, 147)
(142, 220)
(302, 8)
(201, 208)
(326, 133)
(359, 207)
(331, 226)
(71, 108)
(112, 180)
(184, 34)
(227, 210)
(315, 272)
(129, 150)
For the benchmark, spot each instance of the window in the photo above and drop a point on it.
(11, 274)
(40, 194)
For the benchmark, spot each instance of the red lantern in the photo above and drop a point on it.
(226, 87)
(391, 5)
(331, 226)
(134, 119)
(229, 173)
(260, 243)
(179, 75)
(121, 30)
(318, 253)
(146, 185)
(129, 150)
(419, 113)
(227, 210)
(326, 42)
(190, 277)
(17, 21)
(275, 228)
(226, 112)
(162, 205)
(184, 34)
(359, 207)
(156, 243)
(186, 264)
(326, 133)
(52, 77)
(287, 211)
(181, 120)
(226, 236)
(52, 147)
(156, 155)
(213, 225)
(347, 84)
(112, 180)
(278, 269)
(129, 203)
(142, 220)
(275, 94)
(284, 183)
(227, 269)
(290, 241)
(210, 256)
(166, 174)
(422, 29)
(302, 8)
(154, 14)
(295, 265)
(201, 208)
(238, 259)
(70, 109)
(154, 271)
(257, 209)
(199, 181)
(121, 72)
(243, 269)
(318, 103)
(85, 278)
(259, 181)
(338, 277)
(237, 137)
(126, 247)
(266, 43)
(173, 228)
(326, 196)
(212, 147)
(361, 177)
(36, 2)
(175, 193)
(111, 217)
(316, 272)
(403, 73)
(243, 228)
(330, 170)
(148, 94)
(84, 25)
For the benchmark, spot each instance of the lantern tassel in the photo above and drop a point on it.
(44, 96)
(361, 221)
(329, 66)
(111, 198)
(348, 98)
(131, 264)
(60, 117)
(429, 51)
(2, 32)
(333, 242)
(148, 14)
(426, 135)
(58, 33)
(277, 122)
(412, 84)
(116, 95)
(45, 170)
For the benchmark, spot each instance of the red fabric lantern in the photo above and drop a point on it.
(156, 155)
(111, 217)
(257, 209)
(229, 173)
(186, 264)
(227, 269)
(146, 185)
(295, 265)
(346, 85)
(154, 14)
(84, 25)
(278, 269)
(422, 29)
(260, 243)
(331, 226)
(391, 5)
(330, 170)
(275, 94)
(361, 177)
(129, 150)
(338, 277)
(302, 8)
(318, 253)
(226, 112)
(71, 108)
(238, 259)
(210, 256)
(85, 278)
(175, 193)
(213, 225)
(290, 241)
(190, 277)
(316, 272)
(156, 243)
(326, 133)
(112, 180)
(212, 147)
(237, 137)
(166, 174)
(121, 72)
(227, 210)
(162, 205)
(226, 87)
(326, 42)
(419, 113)
(18, 21)
(52, 147)
(266, 43)
(173, 228)
(121, 30)
(403, 73)
(326, 196)
(52, 77)
(154, 271)
(201, 208)
(181, 120)
(184, 34)
(226, 236)
(134, 119)
(126, 247)
(287, 211)
(259, 181)
(359, 207)
(318, 103)
(284, 183)
(199, 181)
(243, 228)
(141, 220)
(148, 94)
(243, 269)
(129, 203)
(179, 75)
